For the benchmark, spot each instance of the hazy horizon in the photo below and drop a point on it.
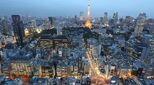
(44, 8)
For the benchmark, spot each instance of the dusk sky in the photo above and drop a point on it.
(73, 7)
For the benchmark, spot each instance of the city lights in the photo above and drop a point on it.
(38, 30)
(76, 42)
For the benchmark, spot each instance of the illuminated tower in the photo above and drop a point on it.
(88, 21)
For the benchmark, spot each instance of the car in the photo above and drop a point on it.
(126, 82)
(142, 81)
(78, 82)
(114, 80)
(132, 82)
(2, 78)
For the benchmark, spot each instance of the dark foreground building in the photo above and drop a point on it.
(18, 29)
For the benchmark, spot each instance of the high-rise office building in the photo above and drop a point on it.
(18, 28)
(140, 24)
(115, 18)
(33, 23)
(81, 16)
(6, 28)
(81, 19)
(51, 20)
(105, 20)
(47, 24)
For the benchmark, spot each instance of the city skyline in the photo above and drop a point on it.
(76, 42)
(56, 7)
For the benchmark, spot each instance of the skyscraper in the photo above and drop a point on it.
(6, 26)
(115, 18)
(140, 24)
(18, 29)
(51, 20)
(105, 20)
(88, 23)
(81, 16)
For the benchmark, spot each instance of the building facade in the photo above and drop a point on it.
(18, 28)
